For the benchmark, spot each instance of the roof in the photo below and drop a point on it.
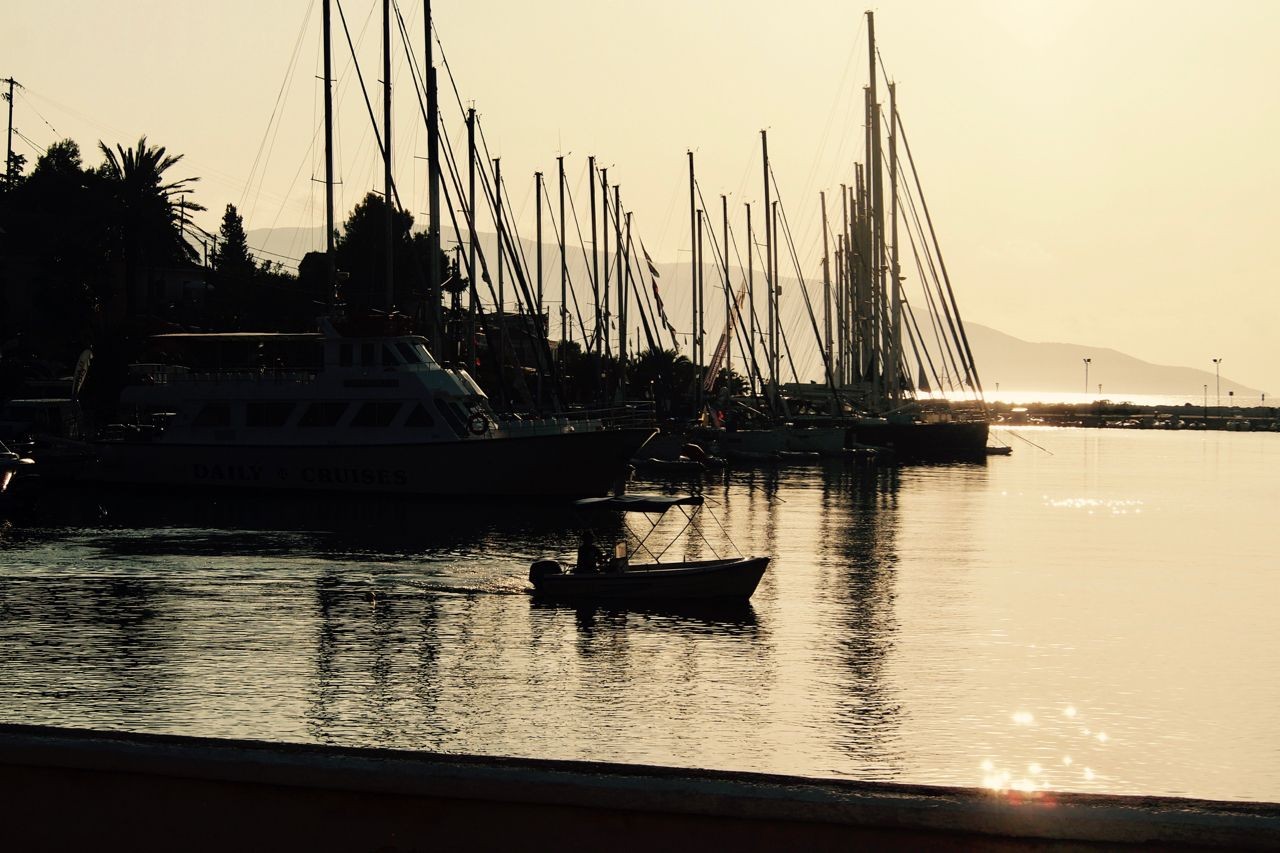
(239, 336)
(639, 503)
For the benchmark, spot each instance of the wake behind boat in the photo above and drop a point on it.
(722, 579)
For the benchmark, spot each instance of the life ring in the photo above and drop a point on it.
(477, 424)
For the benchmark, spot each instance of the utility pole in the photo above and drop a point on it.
(8, 159)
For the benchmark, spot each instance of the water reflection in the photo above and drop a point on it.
(908, 615)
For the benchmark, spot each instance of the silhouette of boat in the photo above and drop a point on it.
(721, 579)
(352, 408)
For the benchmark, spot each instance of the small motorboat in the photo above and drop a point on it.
(720, 579)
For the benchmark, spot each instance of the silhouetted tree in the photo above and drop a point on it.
(151, 215)
(233, 271)
(360, 251)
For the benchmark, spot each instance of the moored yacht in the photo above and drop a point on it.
(346, 409)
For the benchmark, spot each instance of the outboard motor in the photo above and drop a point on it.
(542, 568)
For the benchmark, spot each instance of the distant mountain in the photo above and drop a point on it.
(1020, 365)
(285, 245)
(1016, 364)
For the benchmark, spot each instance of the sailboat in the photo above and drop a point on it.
(360, 405)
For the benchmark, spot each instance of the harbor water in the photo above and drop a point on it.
(1095, 612)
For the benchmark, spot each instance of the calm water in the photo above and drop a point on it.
(1099, 615)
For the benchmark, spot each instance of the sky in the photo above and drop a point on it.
(1100, 173)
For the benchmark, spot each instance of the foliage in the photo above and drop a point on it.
(360, 251)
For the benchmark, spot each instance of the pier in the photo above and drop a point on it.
(69, 789)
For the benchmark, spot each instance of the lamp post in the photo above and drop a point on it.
(1217, 382)
(1206, 404)
(1087, 362)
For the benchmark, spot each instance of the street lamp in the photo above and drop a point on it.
(1087, 361)
(1217, 381)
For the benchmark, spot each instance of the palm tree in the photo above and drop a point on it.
(667, 375)
(152, 216)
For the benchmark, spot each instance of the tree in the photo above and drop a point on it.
(151, 215)
(233, 271)
(231, 257)
(665, 375)
(360, 251)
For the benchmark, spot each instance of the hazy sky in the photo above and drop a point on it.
(1102, 173)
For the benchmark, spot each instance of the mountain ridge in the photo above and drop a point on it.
(1012, 363)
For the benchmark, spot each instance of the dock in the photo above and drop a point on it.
(72, 789)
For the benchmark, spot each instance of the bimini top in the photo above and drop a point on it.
(639, 503)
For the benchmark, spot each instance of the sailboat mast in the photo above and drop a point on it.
(473, 307)
(693, 253)
(771, 345)
(389, 219)
(537, 193)
(826, 281)
(564, 267)
(751, 302)
(618, 268)
(433, 187)
(728, 298)
(331, 270)
(595, 254)
(895, 284)
(604, 282)
(876, 176)
(698, 308)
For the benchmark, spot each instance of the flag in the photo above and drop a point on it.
(653, 268)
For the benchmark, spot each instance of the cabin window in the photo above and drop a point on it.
(213, 415)
(376, 414)
(420, 417)
(344, 355)
(424, 354)
(454, 422)
(267, 415)
(323, 414)
(389, 357)
(367, 354)
(407, 352)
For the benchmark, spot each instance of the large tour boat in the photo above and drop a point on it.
(346, 409)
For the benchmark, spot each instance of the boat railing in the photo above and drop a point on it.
(637, 414)
(276, 376)
(606, 417)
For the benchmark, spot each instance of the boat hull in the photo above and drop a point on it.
(707, 580)
(944, 440)
(576, 464)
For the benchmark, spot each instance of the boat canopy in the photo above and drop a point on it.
(639, 503)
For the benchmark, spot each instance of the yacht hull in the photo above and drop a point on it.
(942, 441)
(575, 464)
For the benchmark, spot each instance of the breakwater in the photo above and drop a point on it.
(1124, 415)
(160, 792)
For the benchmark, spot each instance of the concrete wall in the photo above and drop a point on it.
(63, 789)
